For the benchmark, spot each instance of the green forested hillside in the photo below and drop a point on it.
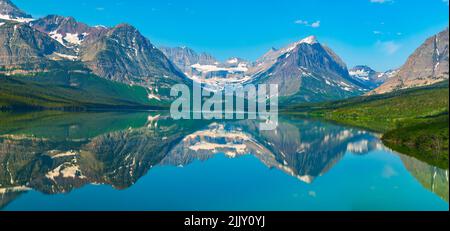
(70, 90)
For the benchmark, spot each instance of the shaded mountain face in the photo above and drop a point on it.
(306, 71)
(23, 47)
(427, 65)
(122, 54)
(368, 77)
(9, 11)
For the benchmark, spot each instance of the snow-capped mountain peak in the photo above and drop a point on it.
(309, 40)
(368, 77)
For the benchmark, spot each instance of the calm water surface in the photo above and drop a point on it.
(146, 161)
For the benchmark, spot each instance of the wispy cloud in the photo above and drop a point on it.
(377, 32)
(301, 22)
(381, 1)
(315, 24)
(388, 47)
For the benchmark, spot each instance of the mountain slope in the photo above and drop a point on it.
(122, 54)
(66, 30)
(427, 65)
(22, 47)
(9, 11)
(306, 71)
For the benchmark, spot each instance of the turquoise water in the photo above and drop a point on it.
(151, 163)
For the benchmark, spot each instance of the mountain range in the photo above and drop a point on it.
(305, 71)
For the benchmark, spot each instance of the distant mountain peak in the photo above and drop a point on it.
(362, 67)
(9, 11)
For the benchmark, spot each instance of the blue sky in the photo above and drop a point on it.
(378, 33)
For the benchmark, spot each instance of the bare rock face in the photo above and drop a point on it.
(426, 66)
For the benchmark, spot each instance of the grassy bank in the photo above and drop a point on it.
(413, 121)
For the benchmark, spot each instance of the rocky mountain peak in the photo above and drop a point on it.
(66, 30)
(306, 71)
(123, 54)
(9, 11)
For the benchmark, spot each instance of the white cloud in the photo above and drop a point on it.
(380, 1)
(377, 32)
(315, 24)
(302, 22)
(388, 47)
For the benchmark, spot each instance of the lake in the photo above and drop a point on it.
(146, 161)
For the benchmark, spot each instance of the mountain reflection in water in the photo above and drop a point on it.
(56, 152)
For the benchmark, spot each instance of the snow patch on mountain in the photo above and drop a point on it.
(242, 67)
(16, 19)
(361, 74)
(64, 56)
